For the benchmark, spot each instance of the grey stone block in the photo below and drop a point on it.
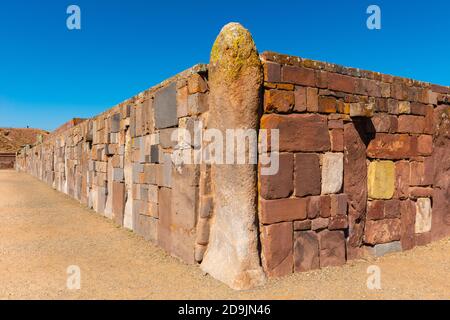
(115, 123)
(118, 174)
(380, 250)
(154, 154)
(165, 138)
(165, 106)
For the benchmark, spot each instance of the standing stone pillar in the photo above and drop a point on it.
(235, 80)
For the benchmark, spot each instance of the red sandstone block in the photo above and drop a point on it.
(277, 249)
(338, 223)
(375, 210)
(429, 120)
(368, 87)
(339, 205)
(337, 140)
(118, 196)
(312, 99)
(382, 231)
(299, 76)
(418, 109)
(335, 124)
(420, 192)
(325, 206)
(306, 251)
(302, 225)
(332, 248)
(392, 209)
(390, 146)
(425, 145)
(319, 224)
(411, 124)
(422, 172)
(298, 132)
(272, 72)
(278, 101)
(283, 210)
(408, 221)
(308, 174)
(399, 91)
(313, 208)
(300, 99)
(393, 106)
(339, 82)
(422, 239)
(402, 179)
(280, 185)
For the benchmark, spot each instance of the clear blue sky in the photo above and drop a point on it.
(49, 74)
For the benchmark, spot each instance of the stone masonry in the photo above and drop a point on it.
(363, 164)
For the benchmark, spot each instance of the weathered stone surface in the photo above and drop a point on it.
(308, 174)
(332, 172)
(380, 250)
(375, 210)
(300, 99)
(390, 146)
(298, 132)
(332, 248)
(382, 231)
(411, 124)
(408, 221)
(118, 202)
(441, 181)
(338, 223)
(402, 179)
(425, 145)
(278, 101)
(313, 207)
(381, 179)
(306, 251)
(319, 224)
(302, 225)
(423, 215)
(235, 82)
(422, 172)
(362, 110)
(355, 181)
(280, 185)
(339, 205)
(277, 249)
(273, 211)
(298, 76)
(165, 104)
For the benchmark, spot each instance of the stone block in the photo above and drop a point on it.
(408, 221)
(390, 146)
(278, 101)
(302, 225)
(299, 132)
(337, 140)
(197, 84)
(375, 210)
(298, 76)
(306, 251)
(425, 145)
(272, 72)
(327, 104)
(319, 224)
(382, 231)
(312, 99)
(277, 249)
(198, 103)
(182, 102)
(383, 249)
(339, 205)
(423, 215)
(338, 223)
(313, 207)
(146, 227)
(339, 82)
(280, 185)
(404, 107)
(381, 179)
(118, 174)
(118, 201)
(283, 210)
(165, 106)
(332, 172)
(300, 99)
(402, 179)
(411, 124)
(325, 206)
(308, 175)
(332, 248)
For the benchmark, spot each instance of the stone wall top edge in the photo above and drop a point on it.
(297, 61)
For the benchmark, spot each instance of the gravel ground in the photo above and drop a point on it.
(43, 232)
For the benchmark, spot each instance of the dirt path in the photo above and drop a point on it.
(43, 232)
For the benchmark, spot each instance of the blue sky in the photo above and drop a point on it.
(49, 74)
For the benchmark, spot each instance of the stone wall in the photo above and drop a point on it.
(364, 164)
(120, 164)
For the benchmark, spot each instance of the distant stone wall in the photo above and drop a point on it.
(7, 160)
(363, 164)
(120, 164)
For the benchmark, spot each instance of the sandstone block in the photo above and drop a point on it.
(306, 251)
(332, 248)
(381, 179)
(299, 132)
(277, 249)
(272, 72)
(278, 101)
(308, 175)
(382, 231)
(390, 146)
(425, 145)
(332, 172)
(411, 124)
(302, 225)
(360, 109)
(408, 221)
(283, 210)
(402, 179)
(299, 76)
(280, 185)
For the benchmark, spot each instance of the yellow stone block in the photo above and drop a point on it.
(381, 180)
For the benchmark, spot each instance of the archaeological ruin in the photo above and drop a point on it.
(363, 163)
